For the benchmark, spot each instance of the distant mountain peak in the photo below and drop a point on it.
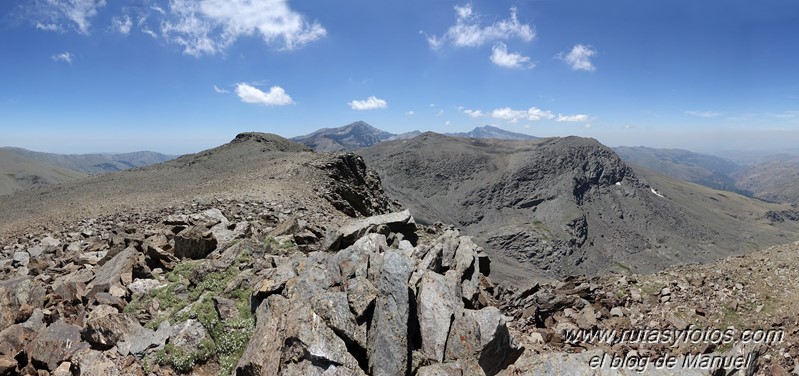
(349, 137)
(490, 131)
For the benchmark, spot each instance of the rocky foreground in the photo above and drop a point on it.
(205, 291)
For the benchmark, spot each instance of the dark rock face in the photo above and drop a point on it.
(195, 242)
(353, 189)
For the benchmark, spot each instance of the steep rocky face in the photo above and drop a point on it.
(352, 189)
(555, 207)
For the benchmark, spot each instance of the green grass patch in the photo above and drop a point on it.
(227, 339)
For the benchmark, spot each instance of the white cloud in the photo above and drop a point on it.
(210, 26)
(510, 115)
(220, 90)
(572, 118)
(122, 24)
(440, 112)
(588, 126)
(447, 123)
(50, 15)
(371, 103)
(275, 97)
(468, 31)
(704, 114)
(579, 58)
(629, 126)
(410, 113)
(473, 113)
(500, 56)
(64, 56)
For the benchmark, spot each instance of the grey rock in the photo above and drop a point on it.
(274, 280)
(388, 348)
(140, 339)
(497, 347)
(188, 335)
(302, 338)
(436, 310)
(335, 310)
(400, 222)
(143, 286)
(361, 295)
(36, 250)
(21, 258)
(50, 242)
(111, 273)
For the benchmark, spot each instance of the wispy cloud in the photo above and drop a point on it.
(122, 24)
(468, 31)
(371, 103)
(500, 56)
(473, 113)
(210, 26)
(64, 56)
(53, 15)
(219, 90)
(704, 114)
(276, 96)
(410, 113)
(579, 58)
(512, 116)
(572, 118)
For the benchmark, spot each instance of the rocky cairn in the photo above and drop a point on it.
(250, 288)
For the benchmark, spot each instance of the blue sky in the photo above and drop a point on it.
(180, 76)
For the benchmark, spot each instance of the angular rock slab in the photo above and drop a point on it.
(289, 339)
(436, 310)
(389, 347)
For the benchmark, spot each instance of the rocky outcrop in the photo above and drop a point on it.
(353, 189)
(377, 309)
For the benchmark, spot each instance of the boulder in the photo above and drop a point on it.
(55, 344)
(400, 222)
(289, 338)
(103, 332)
(195, 243)
(112, 273)
(436, 309)
(16, 294)
(188, 335)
